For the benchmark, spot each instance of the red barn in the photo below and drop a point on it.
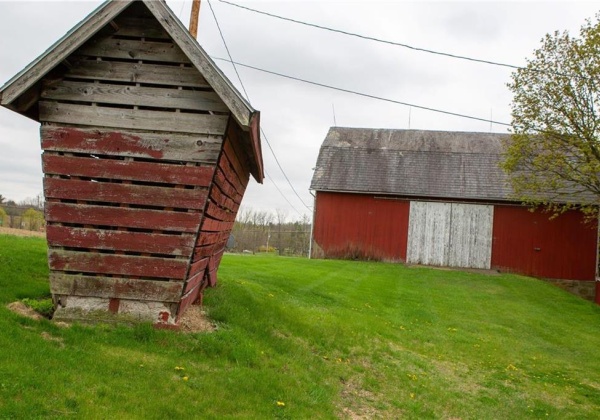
(439, 198)
(147, 152)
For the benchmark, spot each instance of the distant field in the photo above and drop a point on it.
(316, 339)
(21, 232)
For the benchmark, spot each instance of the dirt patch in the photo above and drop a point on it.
(49, 337)
(21, 232)
(21, 309)
(195, 320)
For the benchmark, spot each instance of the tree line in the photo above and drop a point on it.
(25, 214)
(263, 231)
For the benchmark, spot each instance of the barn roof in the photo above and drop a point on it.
(22, 91)
(415, 163)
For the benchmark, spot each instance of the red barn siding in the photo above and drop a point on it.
(357, 225)
(531, 244)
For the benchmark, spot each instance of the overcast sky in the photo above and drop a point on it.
(296, 116)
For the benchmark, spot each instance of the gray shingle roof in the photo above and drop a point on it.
(437, 164)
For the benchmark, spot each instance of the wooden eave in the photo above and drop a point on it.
(21, 92)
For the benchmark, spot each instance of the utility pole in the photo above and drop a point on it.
(194, 18)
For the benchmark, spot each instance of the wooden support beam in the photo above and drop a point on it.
(194, 18)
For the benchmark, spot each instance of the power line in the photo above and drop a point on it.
(227, 48)
(261, 130)
(284, 197)
(282, 171)
(397, 44)
(366, 95)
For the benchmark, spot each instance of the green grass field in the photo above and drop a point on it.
(311, 339)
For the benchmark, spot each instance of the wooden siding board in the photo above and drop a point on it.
(172, 221)
(240, 109)
(61, 50)
(149, 73)
(115, 287)
(138, 119)
(200, 176)
(134, 95)
(114, 240)
(429, 233)
(471, 236)
(131, 265)
(357, 225)
(530, 243)
(72, 189)
(167, 146)
(133, 49)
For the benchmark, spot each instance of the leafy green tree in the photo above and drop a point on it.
(33, 219)
(3, 217)
(554, 151)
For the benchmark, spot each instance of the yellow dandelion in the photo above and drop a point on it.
(412, 395)
(280, 404)
(185, 378)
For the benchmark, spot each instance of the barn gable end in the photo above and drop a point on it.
(148, 149)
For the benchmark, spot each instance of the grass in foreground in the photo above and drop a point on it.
(320, 339)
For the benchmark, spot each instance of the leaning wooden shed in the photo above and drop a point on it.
(147, 152)
(440, 198)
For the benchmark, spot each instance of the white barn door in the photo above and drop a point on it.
(450, 234)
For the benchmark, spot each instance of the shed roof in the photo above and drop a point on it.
(415, 163)
(22, 91)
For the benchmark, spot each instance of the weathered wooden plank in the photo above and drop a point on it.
(196, 279)
(167, 146)
(84, 214)
(133, 49)
(140, 27)
(93, 262)
(211, 225)
(198, 267)
(240, 109)
(138, 119)
(59, 51)
(222, 200)
(114, 240)
(134, 95)
(229, 174)
(206, 251)
(220, 176)
(208, 238)
(200, 176)
(226, 188)
(428, 233)
(219, 213)
(115, 287)
(471, 236)
(73, 189)
(237, 166)
(157, 74)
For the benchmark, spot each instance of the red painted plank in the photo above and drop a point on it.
(194, 281)
(532, 244)
(115, 240)
(84, 262)
(218, 213)
(127, 170)
(208, 238)
(207, 251)
(239, 167)
(122, 217)
(177, 147)
(211, 225)
(230, 175)
(198, 267)
(124, 193)
(227, 188)
(360, 226)
(222, 200)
